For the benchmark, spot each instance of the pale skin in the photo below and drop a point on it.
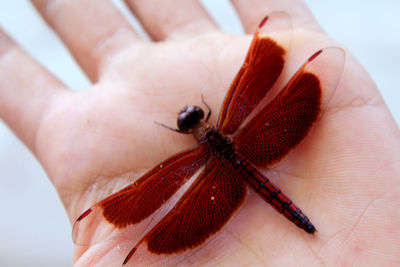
(345, 176)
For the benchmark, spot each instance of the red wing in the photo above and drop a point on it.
(286, 120)
(263, 65)
(202, 211)
(140, 199)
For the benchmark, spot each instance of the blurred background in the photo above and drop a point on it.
(34, 228)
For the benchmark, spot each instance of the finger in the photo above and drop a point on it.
(25, 93)
(251, 12)
(172, 19)
(92, 30)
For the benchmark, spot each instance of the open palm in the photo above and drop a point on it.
(91, 143)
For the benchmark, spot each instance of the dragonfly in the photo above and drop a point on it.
(228, 155)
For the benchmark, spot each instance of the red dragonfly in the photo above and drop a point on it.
(229, 153)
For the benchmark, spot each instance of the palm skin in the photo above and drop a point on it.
(344, 176)
(341, 176)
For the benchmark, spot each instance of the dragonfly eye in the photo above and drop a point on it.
(189, 117)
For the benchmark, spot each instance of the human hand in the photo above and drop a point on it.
(88, 142)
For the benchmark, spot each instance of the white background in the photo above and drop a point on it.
(34, 230)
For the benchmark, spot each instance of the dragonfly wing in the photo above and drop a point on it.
(283, 123)
(139, 200)
(263, 65)
(202, 211)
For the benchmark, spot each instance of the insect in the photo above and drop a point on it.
(229, 153)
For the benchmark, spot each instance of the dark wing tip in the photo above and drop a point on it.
(83, 215)
(314, 55)
(129, 256)
(264, 20)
